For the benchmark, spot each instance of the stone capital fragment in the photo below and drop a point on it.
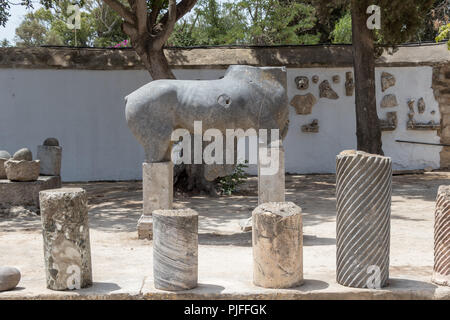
(387, 81)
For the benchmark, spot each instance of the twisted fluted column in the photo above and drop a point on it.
(441, 271)
(363, 192)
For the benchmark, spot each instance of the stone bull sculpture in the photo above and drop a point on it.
(246, 97)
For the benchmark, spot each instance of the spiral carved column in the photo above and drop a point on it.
(441, 272)
(363, 192)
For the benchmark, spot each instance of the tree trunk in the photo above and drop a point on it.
(368, 130)
(158, 65)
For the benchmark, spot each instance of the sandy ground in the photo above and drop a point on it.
(122, 264)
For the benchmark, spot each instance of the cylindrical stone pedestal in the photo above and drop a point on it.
(441, 271)
(277, 245)
(157, 192)
(363, 192)
(67, 253)
(50, 157)
(175, 249)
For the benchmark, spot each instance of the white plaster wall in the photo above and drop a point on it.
(85, 110)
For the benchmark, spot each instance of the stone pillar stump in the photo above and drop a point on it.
(271, 183)
(175, 249)
(441, 271)
(363, 192)
(50, 157)
(277, 245)
(157, 191)
(67, 253)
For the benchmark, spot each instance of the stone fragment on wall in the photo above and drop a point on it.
(336, 78)
(431, 125)
(302, 82)
(326, 91)
(387, 81)
(303, 104)
(411, 105)
(389, 101)
(421, 105)
(390, 123)
(313, 127)
(349, 84)
(315, 79)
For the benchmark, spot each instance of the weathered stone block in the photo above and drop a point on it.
(4, 156)
(50, 157)
(2, 168)
(277, 245)
(22, 170)
(363, 192)
(271, 179)
(9, 278)
(441, 270)
(23, 154)
(145, 227)
(157, 191)
(26, 193)
(67, 253)
(175, 249)
(157, 186)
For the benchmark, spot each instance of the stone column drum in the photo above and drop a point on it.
(157, 192)
(363, 192)
(277, 245)
(271, 185)
(441, 271)
(67, 253)
(175, 249)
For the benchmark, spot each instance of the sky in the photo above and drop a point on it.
(17, 14)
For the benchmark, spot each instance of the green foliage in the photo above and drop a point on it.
(444, 34)
(228, 184)
(401, 21)
(100, 26)
(342, 32)
(5, 43)
(255, 22)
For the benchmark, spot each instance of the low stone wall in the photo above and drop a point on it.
(220, 57)
(76, 95)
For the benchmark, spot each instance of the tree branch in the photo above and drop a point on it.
(123, 11)
(182, 8)
(154, 14)
(168, 26)
(141, 14)
(130, 30)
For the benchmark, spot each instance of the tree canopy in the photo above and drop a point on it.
(214, 22)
